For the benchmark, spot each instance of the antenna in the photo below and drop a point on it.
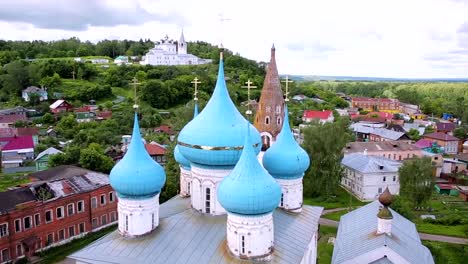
(135, 83)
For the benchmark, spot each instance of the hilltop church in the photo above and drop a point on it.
(233, 207)
(171, 52)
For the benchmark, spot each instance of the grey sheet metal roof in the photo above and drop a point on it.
(357, 235)
(370, 164)
(186, 236)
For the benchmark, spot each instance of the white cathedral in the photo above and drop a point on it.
(170, 52)
(231, 209)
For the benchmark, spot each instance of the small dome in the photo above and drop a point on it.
(180, 158)
(215, 137)
(286, 159)
(386, 198)
(137, 175)
(249, 189)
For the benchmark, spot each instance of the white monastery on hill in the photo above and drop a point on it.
(171, 52)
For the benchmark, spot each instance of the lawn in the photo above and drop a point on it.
(342, 199)
(445, 253)
(336, 215)
(11, 180)
(56, 254)
(325, 250)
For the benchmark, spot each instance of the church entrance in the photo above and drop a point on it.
(265, 143)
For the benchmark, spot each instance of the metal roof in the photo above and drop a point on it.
(357, 236)
(186, 236)
(369, 164)
(49, 151)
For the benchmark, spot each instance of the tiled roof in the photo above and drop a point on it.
(185, 236)
(445, 126)
(441, 136)
(14, 143)
(357, 236)
(10, 119)
(155, 149)
(370, 164)
(325, 114)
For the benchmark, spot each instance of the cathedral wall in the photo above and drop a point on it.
(138, 217)
(250, 236)
(185, 182)
(292, 191)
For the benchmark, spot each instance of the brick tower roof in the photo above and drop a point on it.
(271, 102)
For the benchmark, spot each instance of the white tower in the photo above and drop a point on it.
(138, 180)
(182, 45)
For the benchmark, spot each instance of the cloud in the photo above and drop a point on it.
(79, 15)
(463, 28)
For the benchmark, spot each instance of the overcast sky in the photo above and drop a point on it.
(391, 38)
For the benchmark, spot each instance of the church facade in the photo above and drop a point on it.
(171, 52)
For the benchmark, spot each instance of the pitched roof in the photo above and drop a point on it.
(155, 149)
(441, 136)
(27, 131)
(386, 133)
(14, 197)
(104, 114)
(353, 147)
(33, 89)
(357, 236)
(423, 143)
(370, 164)
(15, 143)
(445, 126)
(186, 236)
(59, 172)
(49, 151)
(10, 119)
(312, 114)
(57, 103)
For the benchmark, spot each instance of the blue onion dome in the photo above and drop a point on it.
(249, 189)
(214, 137)
(286, 159)
(137, 175)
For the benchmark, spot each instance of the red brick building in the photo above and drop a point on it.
(51, 213)
(376, 104)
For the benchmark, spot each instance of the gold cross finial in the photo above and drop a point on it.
(249, 86)
(195, 83)
(135, 83)
(287, 81)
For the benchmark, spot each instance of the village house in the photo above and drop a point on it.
(383, 134)
(376, 104)
(84, 114)
(448, 142)
(60, 106)
(157, 152)
(42, 159)
(437, 161)
(103, 115)
(453, 166)
(394, 150)
(121, 60)
(47, 214)
(446, 128)
(409, 109)
(367, 176)
(324, 116)
(39, 92)
(10, 120)
(16, 150)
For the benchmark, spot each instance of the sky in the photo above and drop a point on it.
(372, 38)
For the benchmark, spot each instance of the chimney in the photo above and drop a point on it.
(384, 217)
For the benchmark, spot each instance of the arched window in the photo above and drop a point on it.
(267, 120)
(278, 109)
(243, 244)
(278, 121)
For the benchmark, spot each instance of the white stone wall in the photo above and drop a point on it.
(250, 236)
(185, 182)
(138, 217)
(310, 256)
(384, 226)
(204, 179)
(291, 191)
(369, 186)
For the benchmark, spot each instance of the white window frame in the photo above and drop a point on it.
(51, 216)
(63, 212)
(100, 199)
(74, 233)
(84, 227)
(82, 206)
(96, 203)
(20, 225)
(64, 235)
(39, 217)
(6, 231)
(111, 197)
(73, 209)
(31, 225)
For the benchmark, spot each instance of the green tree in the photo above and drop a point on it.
(416, 180)
(93, 158)
(324, 144)
(413, 134)
(48, 118)
(429, 130)
(171, 187)
(461, 132)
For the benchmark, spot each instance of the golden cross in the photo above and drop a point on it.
(249, 86)
(287, 81)
(195, 83)
(135, 83)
